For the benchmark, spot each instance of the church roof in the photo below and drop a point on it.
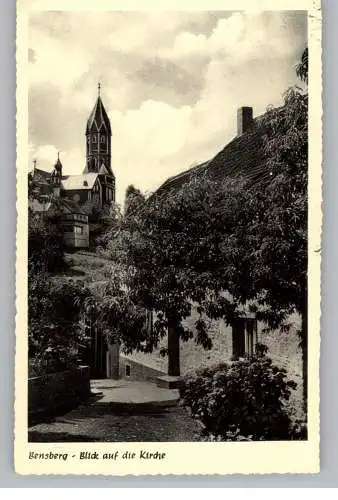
(40, 175)
(75, 182)
(98, 117)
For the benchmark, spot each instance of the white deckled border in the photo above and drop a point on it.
(181, 458)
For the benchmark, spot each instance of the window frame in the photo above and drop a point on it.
(76, 226)
(245, 346)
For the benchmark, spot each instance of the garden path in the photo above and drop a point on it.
(121, 411)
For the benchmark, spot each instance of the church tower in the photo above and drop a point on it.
(56, 177)
(98, 148)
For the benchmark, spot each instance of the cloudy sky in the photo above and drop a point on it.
(171, 84)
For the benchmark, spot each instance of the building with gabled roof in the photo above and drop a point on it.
(95, 185)
(242, 156)
(97, 181)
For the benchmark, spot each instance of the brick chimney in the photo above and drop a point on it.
(244, 119)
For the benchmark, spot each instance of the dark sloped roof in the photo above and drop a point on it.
(98, 117)
(39, 175)
(243, 156)
(72, 206)
(178, 180)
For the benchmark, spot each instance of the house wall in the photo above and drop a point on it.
(71, 237)
(285, 352)
(74, 240)
(283, 349)
(138, 370)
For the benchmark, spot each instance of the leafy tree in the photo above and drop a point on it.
(111, 310)
(56, 332)
(45, 243)
(303, 67)
(271, 267)
(55, 309)
(172, 255)
(265, 259)
(102, 221)
(134, 200)
(243, 238)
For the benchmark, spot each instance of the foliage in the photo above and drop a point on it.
(134, 200)
(45, 243)
(302, 69)
(243, 400)
(102, 220)
(55, 309)
(277, 234)
(266, 251)
(270, 242)
(245, 237)
(55, 323)
(172, 251)
(110, 309)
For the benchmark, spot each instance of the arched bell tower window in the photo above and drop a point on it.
(102, 139)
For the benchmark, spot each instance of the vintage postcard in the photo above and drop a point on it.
(168, 237)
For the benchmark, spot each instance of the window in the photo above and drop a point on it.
(102, 139)
(244, 337)
(94, 138)
(109, 194)
(127, 370)
(78, 229)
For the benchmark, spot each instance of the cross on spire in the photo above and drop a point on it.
(99, 88)
(34, 163)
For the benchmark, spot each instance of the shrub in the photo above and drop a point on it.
(56, 331)
(45, 243)
(242, 400)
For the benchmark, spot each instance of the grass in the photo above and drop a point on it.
(85, 266)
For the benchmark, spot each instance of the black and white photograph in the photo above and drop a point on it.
(166, 227)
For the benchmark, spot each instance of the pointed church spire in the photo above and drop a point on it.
(98, 137)
(58, 163)
(98, 118)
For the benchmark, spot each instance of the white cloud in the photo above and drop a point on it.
(238, 37)
(55, 62)
(47, 154)
(242, 59)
